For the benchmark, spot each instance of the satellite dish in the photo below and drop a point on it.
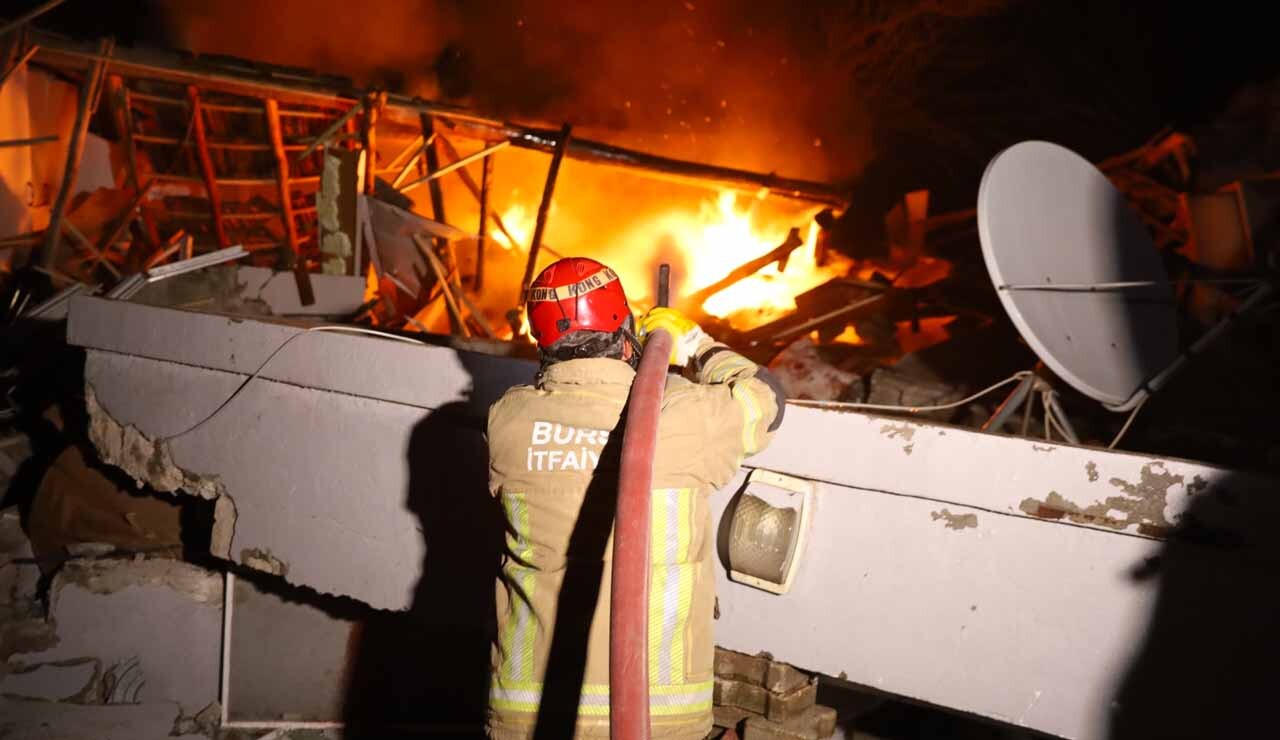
(1076, 271)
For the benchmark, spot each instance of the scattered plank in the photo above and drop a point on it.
(282, 176)
(34, 141)
(778, 254)
(328, 132)
(88, 89)
(459, 164)
(442, 279)
(206, 166)
(18, 64)
(482, 235)
(544, 208)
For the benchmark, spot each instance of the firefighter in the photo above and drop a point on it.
(553, 451)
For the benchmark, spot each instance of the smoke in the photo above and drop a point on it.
(390, 43)
(922, 91)
(714, 80)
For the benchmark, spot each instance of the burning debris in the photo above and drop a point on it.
(229, 187)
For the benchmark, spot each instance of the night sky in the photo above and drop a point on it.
(883, 101)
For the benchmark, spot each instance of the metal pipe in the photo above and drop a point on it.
(1010, 405)
(1151, 387)
(629, 595)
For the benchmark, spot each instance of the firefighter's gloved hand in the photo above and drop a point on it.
(688, 339)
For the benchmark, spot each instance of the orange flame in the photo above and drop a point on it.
(705, 243)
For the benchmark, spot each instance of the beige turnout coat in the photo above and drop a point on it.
(553, 451)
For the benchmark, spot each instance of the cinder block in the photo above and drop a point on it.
(781, 678)
(739, 667)
(740, 694)
(729, 717)
(814, 723)
(782, 707)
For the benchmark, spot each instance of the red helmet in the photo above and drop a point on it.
(574, 294)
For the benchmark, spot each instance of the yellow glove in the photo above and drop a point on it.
(687, 337)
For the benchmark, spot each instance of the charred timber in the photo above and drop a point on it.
(778, 254)
(257, 80)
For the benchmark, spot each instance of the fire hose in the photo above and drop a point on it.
(629, 596)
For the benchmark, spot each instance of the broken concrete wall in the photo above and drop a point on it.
(288, 659)
(19, 574)
(127, 631)
(969, 564)
(166, 424)
(254, 291)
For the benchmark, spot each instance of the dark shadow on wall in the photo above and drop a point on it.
(1209, 664)
(428, 667)
(586, 559)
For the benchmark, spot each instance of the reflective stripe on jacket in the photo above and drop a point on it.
(553, 451)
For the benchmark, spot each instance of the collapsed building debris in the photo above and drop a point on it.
(429, 449)
(296, 176)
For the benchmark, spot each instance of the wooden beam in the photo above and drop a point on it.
(411, 150)
(88, 89)
(243, 146)
(97, 255)
(433, 164)
(29, 239)
(369, 138)
(323, 93)
(432, 159)
(34, 141)
(544, 208)
(282, 176)
(29, 16)
(777, 254)
(120, 99)
(455, 312)
(482, 234)
(206, 166)
(127, 216)
(18, 64)
(328, 132)
(476, 191)
(458, 165)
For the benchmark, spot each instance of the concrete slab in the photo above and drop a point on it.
(1005, 577)
(19, 575)
(24, 719)
(165, 614)
(289, 659)
(243, 290)
(336, 295)
(52, 681)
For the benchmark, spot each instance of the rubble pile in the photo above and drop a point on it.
(761, 699)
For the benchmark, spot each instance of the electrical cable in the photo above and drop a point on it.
(1132, 415)
(327, 328)
(1018, 376)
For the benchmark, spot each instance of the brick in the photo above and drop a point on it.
(781, 678)
(740, 667)
(815, 723)
(740, 694)
(729, 717)
(781, 707)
